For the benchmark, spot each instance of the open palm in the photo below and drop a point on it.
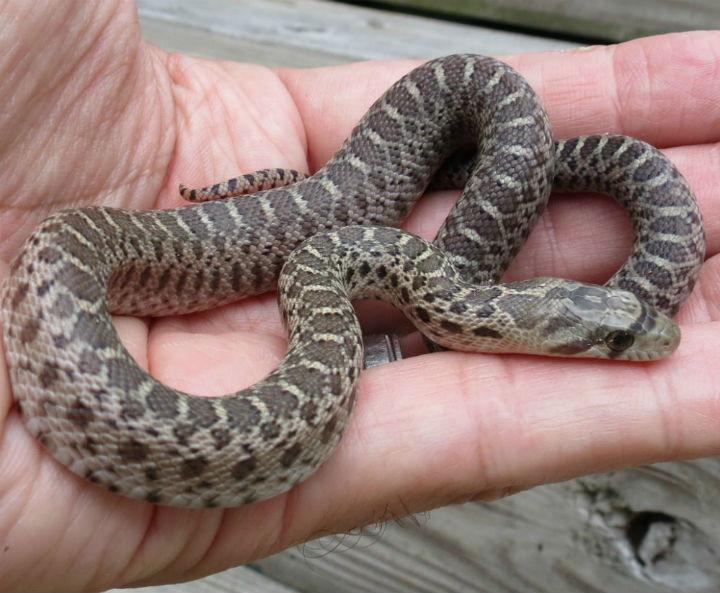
(94, 115)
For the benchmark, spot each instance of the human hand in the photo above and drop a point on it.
(102, 118)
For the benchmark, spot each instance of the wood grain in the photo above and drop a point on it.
(307, 33)
(609, 20)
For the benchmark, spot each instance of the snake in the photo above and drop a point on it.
(90, 404)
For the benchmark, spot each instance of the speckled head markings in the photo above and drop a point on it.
(90, 404)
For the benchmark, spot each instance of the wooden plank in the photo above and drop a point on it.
(608, 20)
(178, 37)
(312, 32)
(242, 578)
(648, 530)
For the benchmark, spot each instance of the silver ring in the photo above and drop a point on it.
(381, 349)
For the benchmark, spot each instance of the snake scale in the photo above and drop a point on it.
(89, 403)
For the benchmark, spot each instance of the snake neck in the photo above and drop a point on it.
(539, 316)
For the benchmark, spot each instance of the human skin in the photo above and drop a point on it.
(94, 115)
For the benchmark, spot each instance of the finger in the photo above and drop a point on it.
(452, 427)
(662, 89)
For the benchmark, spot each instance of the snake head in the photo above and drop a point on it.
(555, 317)
(602, 322)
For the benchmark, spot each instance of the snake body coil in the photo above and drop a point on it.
(99, 413)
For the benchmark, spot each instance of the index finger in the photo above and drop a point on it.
(661, 89)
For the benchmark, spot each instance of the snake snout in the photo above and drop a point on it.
(662, 338)
(639, 332)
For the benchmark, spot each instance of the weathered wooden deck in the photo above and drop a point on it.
(609, 20)
(652, 529)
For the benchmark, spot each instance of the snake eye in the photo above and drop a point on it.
(619, 340)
